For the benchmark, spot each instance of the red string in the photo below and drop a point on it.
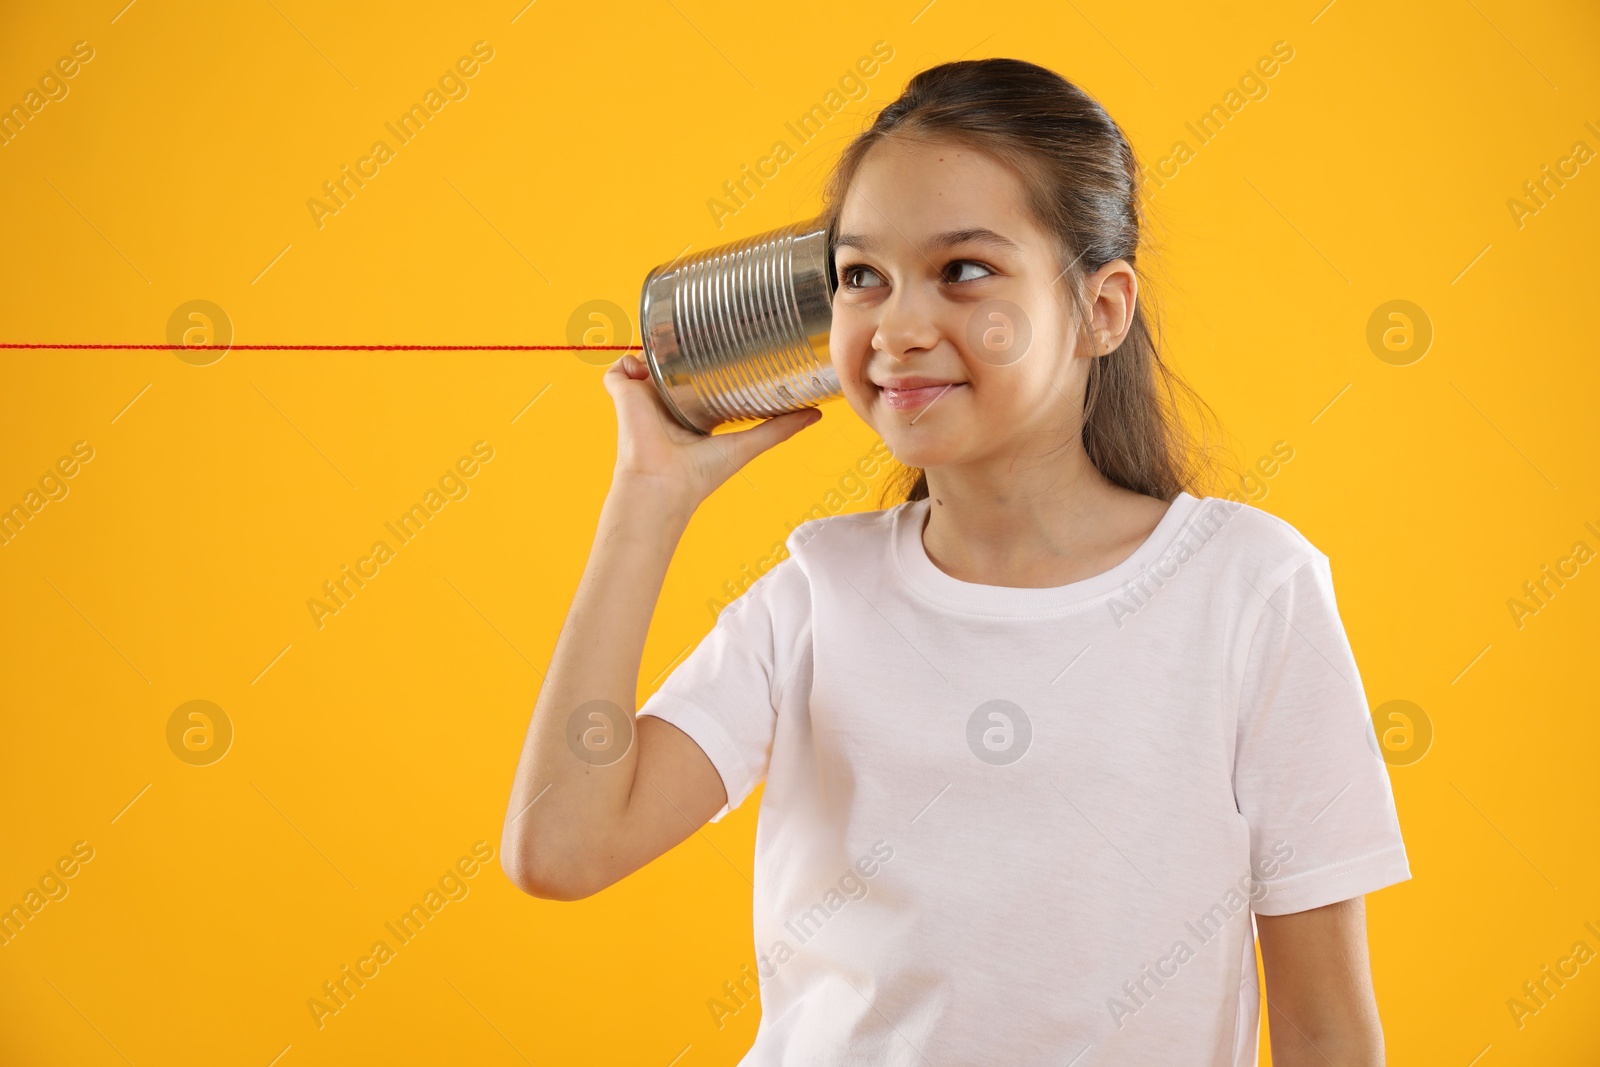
(355, 348)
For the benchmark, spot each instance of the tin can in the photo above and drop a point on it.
(740, 332)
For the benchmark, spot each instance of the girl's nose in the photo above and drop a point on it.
(907, 325)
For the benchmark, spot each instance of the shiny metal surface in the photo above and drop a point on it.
(740, 331)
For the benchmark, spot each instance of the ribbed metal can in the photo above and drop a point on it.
(740, 331)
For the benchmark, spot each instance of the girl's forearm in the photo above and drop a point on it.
(564, 801)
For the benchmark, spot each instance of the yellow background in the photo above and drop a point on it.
(370, 754)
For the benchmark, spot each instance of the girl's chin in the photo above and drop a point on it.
(916, 453)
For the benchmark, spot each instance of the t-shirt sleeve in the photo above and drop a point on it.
(728, 692)
(1308, 777)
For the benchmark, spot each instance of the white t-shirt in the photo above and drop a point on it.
(1008, 825)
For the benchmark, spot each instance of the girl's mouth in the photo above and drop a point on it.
(911, 399)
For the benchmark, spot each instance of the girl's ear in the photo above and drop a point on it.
(1096, 342)
(1113, 290)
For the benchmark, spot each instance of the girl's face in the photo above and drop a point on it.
(951, 331)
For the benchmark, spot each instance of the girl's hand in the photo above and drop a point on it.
(654, 447)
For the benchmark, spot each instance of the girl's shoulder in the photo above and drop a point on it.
(821, 545)
(827, 533)
(1256, 525)
(1241, 535)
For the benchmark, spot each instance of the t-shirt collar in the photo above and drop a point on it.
(911, 559)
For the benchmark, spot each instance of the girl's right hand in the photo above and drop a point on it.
(653, 446)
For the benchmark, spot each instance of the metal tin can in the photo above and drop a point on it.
(740, 331)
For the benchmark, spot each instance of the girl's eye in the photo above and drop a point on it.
(849, 274)
(960, 263)
(851, 277)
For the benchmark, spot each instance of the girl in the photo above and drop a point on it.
(1048, 745)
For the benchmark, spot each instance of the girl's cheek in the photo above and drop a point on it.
(842, 351)
(848, 350)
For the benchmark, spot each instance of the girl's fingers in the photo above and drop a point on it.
(746, 445)
(626, 368)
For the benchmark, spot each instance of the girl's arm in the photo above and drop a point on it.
(568, 832)
(575, 825)
(1321, 1009)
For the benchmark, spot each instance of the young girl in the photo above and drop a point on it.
(1048, 745)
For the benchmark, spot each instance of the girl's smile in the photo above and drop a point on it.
(912, 397)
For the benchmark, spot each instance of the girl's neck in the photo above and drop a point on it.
(1049, 525)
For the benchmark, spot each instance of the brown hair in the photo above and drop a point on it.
(1083, 186)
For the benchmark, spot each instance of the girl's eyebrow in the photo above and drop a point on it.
(945, 239)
